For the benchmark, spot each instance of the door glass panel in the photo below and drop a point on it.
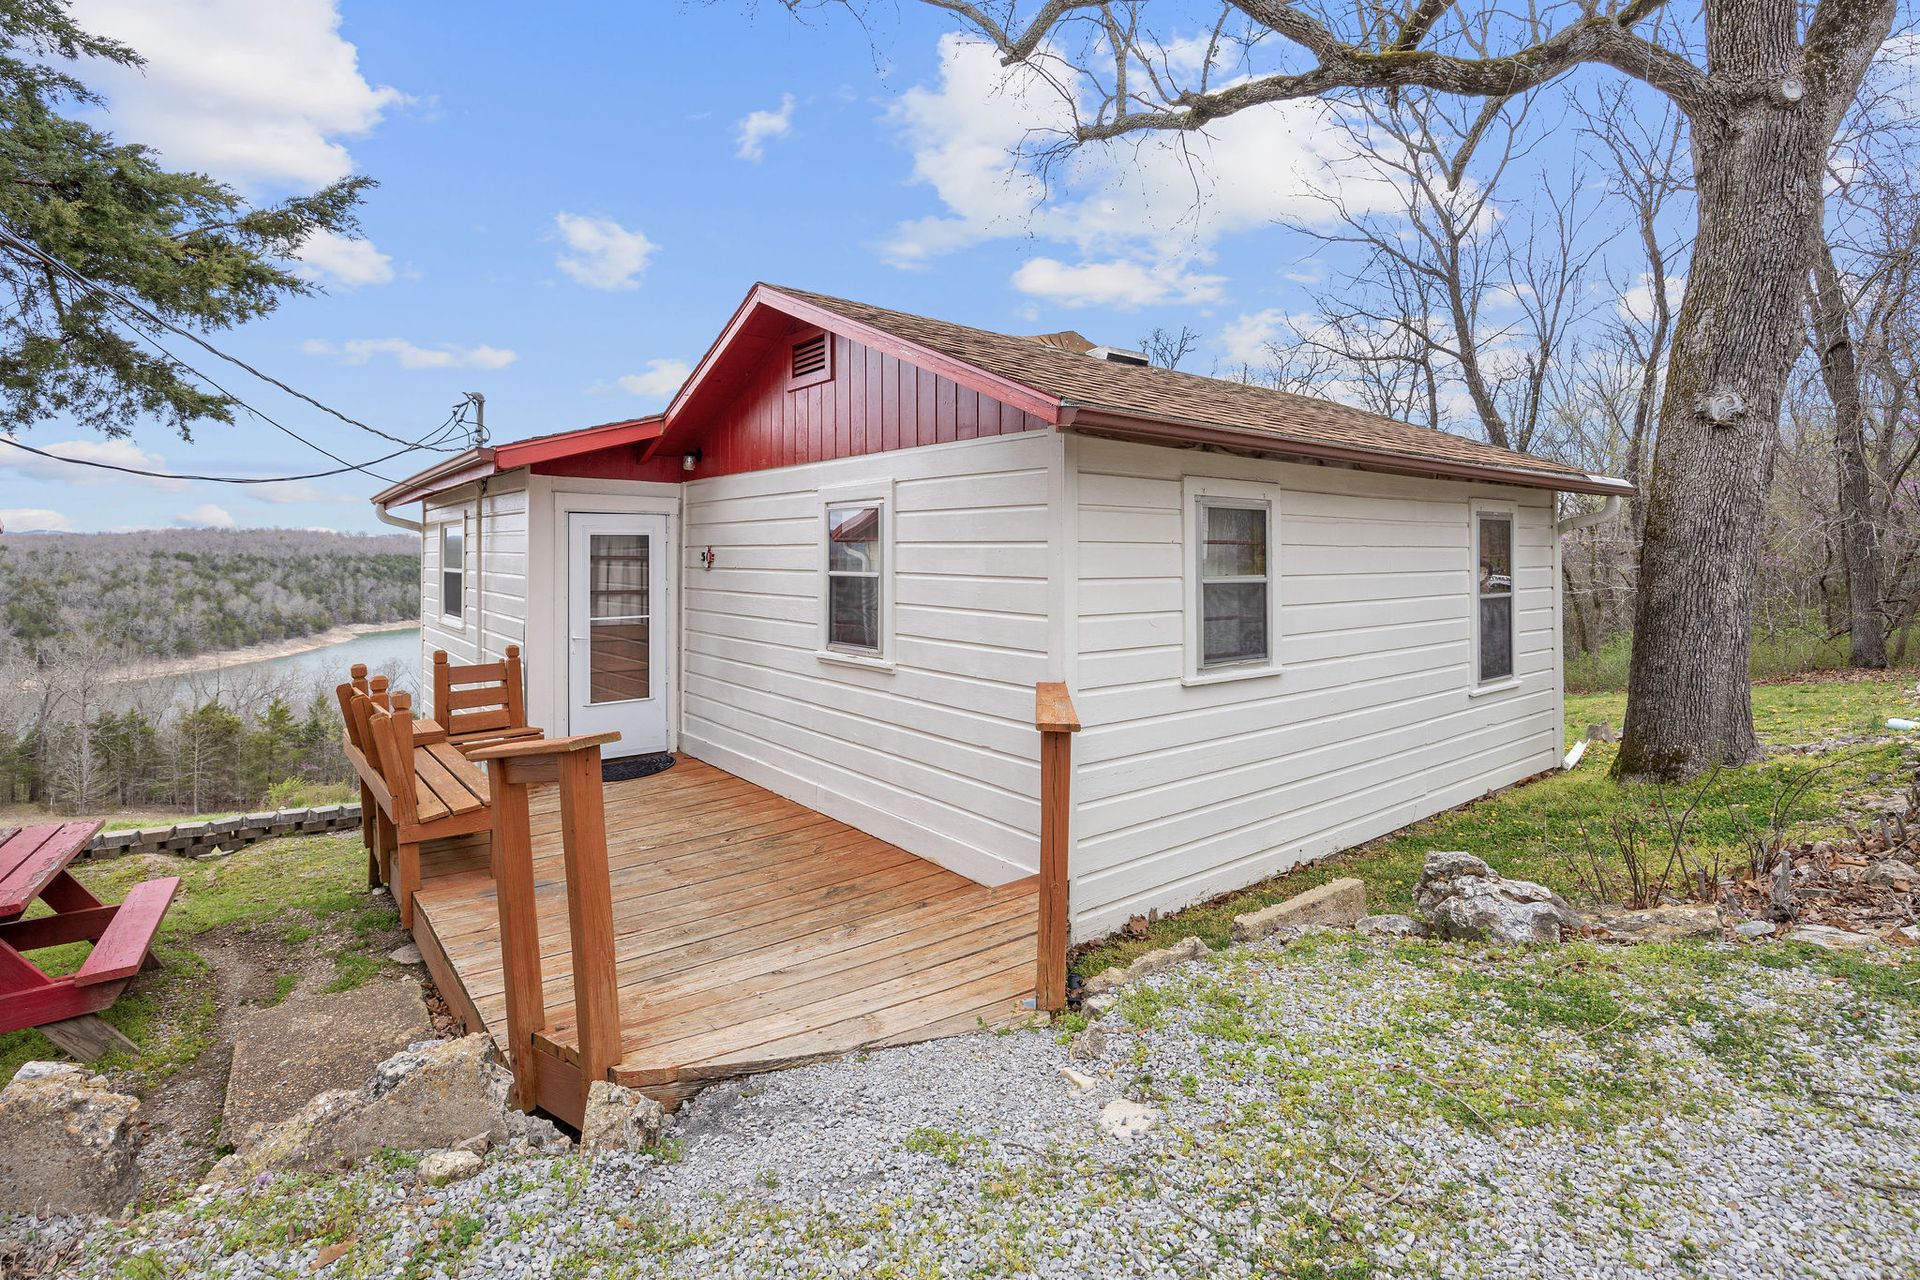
(619, 617)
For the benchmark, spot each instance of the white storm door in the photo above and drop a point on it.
(618, 629)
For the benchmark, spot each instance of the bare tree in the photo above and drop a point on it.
(1167, 350)
(1454, 285)
(1764, 94)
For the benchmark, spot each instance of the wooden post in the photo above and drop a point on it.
(574, 763)
(1055, 718)
(596, 985)
(512, 857)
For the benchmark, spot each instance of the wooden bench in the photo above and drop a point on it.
(33, 866)
(420, 786)
(481, 704)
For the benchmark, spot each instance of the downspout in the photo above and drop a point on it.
(385, 516)
(1587, 519)
(480, 574)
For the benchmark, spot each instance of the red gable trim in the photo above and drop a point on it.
(566, 444)
(1006, 391)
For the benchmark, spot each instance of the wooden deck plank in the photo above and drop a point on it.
(750, 932)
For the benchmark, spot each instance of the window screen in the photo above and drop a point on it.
(1234, 606)
(453, 564)
(1494, 589)
(854, 549)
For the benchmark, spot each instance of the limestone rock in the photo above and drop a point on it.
(1126, 1119)
(1100, 1004)
(1825, 935)
(1891, 874)
(407, 953)
(1080, 1080)
(434, 1095)
(1089, 1046)
(441, 1167)
(69, 1143)
(1464, 899)
(1336, 904)
(288, 1054)
(1754, 930)
(1144, 966)
(1659, 924)
(619, 1119)
(1391, 926)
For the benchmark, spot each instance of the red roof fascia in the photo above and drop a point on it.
(566, 444)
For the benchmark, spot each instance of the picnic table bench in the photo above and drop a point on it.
(33, 867)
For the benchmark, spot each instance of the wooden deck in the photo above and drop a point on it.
(750, 933)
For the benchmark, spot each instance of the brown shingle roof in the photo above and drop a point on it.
(1261, 416)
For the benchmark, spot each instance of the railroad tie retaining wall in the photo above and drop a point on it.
(191, 839)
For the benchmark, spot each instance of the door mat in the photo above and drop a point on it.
(630, 767)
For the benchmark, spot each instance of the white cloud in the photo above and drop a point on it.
(1244, 339)
(1121, 284)
(1168, 197)
(115, 453)
(758, 127)
(290, 492)
(1636, 302)
(411, 355)
(33, 520)
(206, 516)
(660, 380)
(605, 254)
(258, 94)
(327, 256)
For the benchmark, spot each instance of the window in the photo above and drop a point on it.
(1493, 594)
(1235, 603)
(855, 551)
(453, 564)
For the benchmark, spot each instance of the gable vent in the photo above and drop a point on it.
(810, 357)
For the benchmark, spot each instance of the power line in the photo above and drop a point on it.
(439, 434)
(153, 317)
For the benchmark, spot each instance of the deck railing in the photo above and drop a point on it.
(573, 763)
(1057, 721)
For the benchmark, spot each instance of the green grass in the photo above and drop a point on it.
(304, 884)
(1539, 831)
(1779, 652)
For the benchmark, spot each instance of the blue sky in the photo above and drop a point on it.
(574, 198)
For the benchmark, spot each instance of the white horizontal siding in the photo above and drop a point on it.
(496, 577)
(937, 755)
(1185, 791)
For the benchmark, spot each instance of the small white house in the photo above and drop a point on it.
(839, 562)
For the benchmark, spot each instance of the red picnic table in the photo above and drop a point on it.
(33, 867)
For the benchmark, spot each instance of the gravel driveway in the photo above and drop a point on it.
(1334, 1109)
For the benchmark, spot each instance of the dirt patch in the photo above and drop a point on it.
(239, 967)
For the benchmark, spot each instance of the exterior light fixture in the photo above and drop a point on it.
(690, 460)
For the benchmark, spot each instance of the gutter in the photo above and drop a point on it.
(1162, 430)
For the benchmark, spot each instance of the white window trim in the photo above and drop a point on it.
(1193, 491)
(880, 494)
(452, 622)
(1476, 687)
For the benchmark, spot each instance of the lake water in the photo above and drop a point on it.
(395, 654)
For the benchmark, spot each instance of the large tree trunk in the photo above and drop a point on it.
(1759, 160)
(1859, 540)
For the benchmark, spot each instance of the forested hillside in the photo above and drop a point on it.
(173, 593)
